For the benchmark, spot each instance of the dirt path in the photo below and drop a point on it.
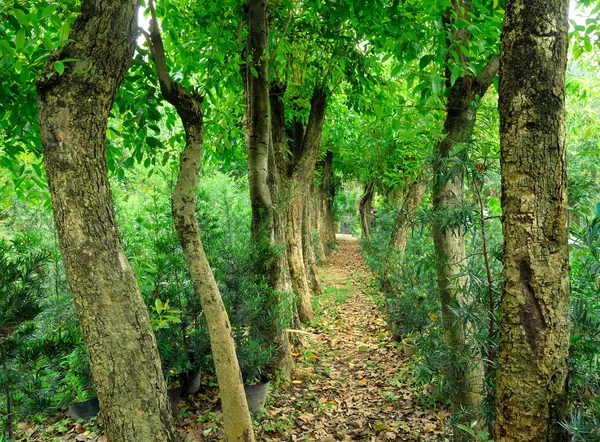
(349, 382)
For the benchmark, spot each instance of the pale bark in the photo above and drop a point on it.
(404, 222)
(73, 112)
(309, 248)
(236, 416)
(294, 174)
(534, 325)
(448, 197)
(295, 256)
(257, 129)
(364, 209)
(406, 215)
(325, 196)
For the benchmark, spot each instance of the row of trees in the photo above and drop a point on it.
(291, 62)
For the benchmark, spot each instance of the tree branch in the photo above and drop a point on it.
(287, 25)
(158, 53)
(489, 71)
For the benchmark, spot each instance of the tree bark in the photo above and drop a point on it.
(325, 196)
(236, 416)
(404, 222)
(406, 214)
(295, 256)
(534, 325)
(309, 247)
(448, 197)
(257, 128)
(73, 111)
(364, 209)
(295, 172)
(257, 117)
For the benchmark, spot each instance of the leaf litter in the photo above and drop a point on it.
(347, 384)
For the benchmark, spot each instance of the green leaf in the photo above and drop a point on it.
(63, 34)
(425, 60)
(21, 17)
(20, 39)
(254, 72)
(129, 162)
(48, 11)
(153, 113)
(396, 70)
(158, 306)
(153, 142)
(59, 67)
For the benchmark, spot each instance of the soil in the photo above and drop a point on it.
(351, 383)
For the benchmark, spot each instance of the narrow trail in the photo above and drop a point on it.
(351, 381)
(348, 384)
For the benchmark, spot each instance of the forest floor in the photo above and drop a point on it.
(351, 382)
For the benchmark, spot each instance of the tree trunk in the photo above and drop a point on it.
(325, 195)
(364, 209)
(73, 112)
(236, 416)
(534, 326)
(295, 256)
(294, 173)
(448, 198)
(309, 247)
(406, 215)
(404, 222)
(257, 116)
(257, 128)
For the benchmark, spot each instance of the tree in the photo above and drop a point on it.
(325, 195)
(257, 130)
(74, 106)
(465, 92)
(534, 326)
(236, 416)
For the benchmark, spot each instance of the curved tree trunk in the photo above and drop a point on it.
(534, 325)
(73, 111)
(448, 197)
(257, 129)
(236, 416)
(364, 209)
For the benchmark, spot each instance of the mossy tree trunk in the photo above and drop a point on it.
(325, 196)
(236, 416)
(294, 174)
(257, 129)
(534, 325)
(73, 112)
(365, 204)
(448, 199)
(309, 245)
(405, 219)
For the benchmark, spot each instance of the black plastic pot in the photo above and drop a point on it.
(84, 410)
(190, 383)
(256, 395)
(91, 407)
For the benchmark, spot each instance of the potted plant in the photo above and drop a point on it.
(254, 358)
